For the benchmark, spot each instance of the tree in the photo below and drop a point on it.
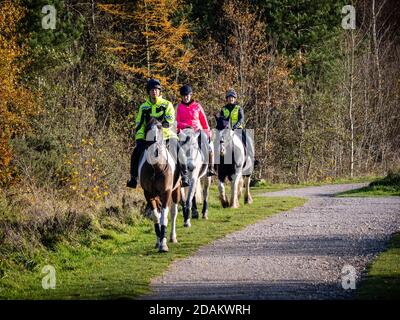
(154, 40)
(16, 101)
(51, 49)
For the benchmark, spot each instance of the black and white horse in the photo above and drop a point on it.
(197, 164)
(235, 163)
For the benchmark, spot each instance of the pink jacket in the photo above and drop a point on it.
(192, 115)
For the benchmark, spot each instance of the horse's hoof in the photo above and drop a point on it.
(248, 201)
(195, 215)
(205, 216)
(163, 246)
(187, 223)
(173, 240)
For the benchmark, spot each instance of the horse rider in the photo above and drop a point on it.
(190, 113)
(162, 110)
(233, 112)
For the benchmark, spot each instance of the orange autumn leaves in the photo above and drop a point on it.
(155, 44)
(16, 101)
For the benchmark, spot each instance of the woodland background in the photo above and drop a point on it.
(323, 101)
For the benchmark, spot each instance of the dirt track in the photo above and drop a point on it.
(297, 254)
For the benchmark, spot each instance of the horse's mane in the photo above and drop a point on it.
(153, 122)
(222, 122)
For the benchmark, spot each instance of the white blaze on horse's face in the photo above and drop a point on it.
(226, 136)
(155, 152)
(221, 144)
(189, 147)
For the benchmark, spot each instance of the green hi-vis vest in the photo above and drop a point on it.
(162, 110)
(233, 116)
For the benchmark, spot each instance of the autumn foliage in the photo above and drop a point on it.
(154, 45)
(16, 101)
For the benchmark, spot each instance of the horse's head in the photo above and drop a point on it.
(155, 142)
(153, 131)
(225, 132)
(189, 145)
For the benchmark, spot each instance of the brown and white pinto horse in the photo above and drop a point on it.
(160, 179)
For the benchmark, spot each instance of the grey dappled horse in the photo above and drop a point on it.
(196, 160)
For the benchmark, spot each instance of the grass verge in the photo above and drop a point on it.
(383, 187)
(383, 279)
(118, 264)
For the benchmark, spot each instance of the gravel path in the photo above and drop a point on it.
(297, 254)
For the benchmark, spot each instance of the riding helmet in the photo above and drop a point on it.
(231, 93)
(185, 90)
(152, 84)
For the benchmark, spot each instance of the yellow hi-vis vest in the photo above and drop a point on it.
(162, 110)
(233, 116)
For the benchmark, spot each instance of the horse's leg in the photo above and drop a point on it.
(189, 202)
(206, 190)
(222, 195)
(155, 216)
(247, 196)
(182, 199)
(174, 213)
(195, 213)
(240, 187)
(165, 200)
(234, 190)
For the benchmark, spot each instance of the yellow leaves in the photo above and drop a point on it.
(16, 102)
(85, 179)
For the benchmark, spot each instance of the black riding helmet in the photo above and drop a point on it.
(153, 83)
(231, 93)
(185, 90)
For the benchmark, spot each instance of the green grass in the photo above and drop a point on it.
(383, 187)
(383, 279)
(120, 264)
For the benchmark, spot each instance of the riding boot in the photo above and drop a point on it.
(182, 166)
(211, 171)
(132, 183)
(184, 174)
(244, 138)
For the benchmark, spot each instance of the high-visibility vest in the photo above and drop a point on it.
(162, 110)
(233, 115)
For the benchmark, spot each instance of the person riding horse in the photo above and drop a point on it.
(162, 110)
(236, 151)
(233, 112)
(190, 113)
